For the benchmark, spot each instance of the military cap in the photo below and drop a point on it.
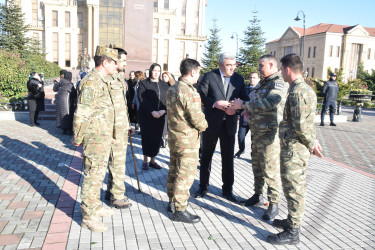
(111, 53)
(332, 74)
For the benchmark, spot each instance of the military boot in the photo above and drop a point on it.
(93, 224)
(280, 223)
(185, 216)
(271, 212)
(104, 212)
(251, 201)
(288, 236)
(120, 204)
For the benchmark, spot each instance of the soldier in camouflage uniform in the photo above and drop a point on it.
(185, 121)
(266, 112)
(93, 127)
(84, 60)
(298, 141)
(116, 176)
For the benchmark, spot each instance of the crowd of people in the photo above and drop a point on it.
(193, 114)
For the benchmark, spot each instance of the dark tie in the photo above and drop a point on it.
(226, 83)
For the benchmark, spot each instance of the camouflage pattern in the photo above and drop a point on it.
(84, 60)
(266, 111)
(185, 121)
(297, 136)
(116, 176)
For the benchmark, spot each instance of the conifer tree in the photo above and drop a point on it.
(213, 48)
(253, 48)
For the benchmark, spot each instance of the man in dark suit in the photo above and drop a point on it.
(217, 89)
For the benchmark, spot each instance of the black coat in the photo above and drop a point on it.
(129, 100)
(152, 97)
(35, 97)
(211, 90)
(65, 104)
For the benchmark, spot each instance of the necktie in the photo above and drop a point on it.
(226, 83)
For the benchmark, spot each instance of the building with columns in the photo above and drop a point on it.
(329, 45)
(160, 31)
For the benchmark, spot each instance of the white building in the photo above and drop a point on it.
(329, 45)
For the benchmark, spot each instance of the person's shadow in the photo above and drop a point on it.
(40, 166)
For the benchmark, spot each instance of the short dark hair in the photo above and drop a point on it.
(68, 75)
(187, 65)
(63, 71)
(293, 61)
(268, 57)
(120, 52)
(100, 59)
(254, 72)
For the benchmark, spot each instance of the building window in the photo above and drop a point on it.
(309, 54)
(312, 72)
(55, 19)
(369, 54)
(307, 70)
(34, 8)
(330, 50)
(80, 20)
(80, 43)
(111, 21)
(156, 25)
(155, 5)
(154, 50)
(167, 26)
(289, 50)
(314, 54)
(166, 54)
(55, 47)
(274, 53)
(182, 51)
(67, 19)
(338, 51)
(166, 4)
(183, 28)
(195, 51)
(67, 49)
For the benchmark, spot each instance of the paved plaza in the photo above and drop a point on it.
(41, 175)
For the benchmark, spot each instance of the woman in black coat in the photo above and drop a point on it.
(65, 104)
(152, 97)
(35, 97)
(132, 82)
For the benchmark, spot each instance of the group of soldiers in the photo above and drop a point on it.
(280, 115)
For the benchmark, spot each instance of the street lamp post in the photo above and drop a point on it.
(236, 42)
(304, 29)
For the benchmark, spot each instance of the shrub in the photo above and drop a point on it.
(37, 63)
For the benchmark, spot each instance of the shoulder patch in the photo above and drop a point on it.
(279, 85)
(196, 97)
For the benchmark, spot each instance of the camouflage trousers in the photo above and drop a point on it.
(116, 175)
(294, 158)
(95, 159)
(182, 169)
(265, 159)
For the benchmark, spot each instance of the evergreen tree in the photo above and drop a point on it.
(12, 28)
(366, 77)
(253, 48)
(213, 48)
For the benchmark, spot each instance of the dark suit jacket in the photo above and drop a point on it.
(211, 89)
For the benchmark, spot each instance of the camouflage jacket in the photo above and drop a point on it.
(266, 109)
(118, 95)
(84, 60)
(95, 115)
(299, 113)
(185, 116)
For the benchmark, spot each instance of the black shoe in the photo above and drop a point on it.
(288, 236)
(271, 212)
(200, 193)
(322, 124)
(107, 195)
(38, 124)
(185, 216)
(171, 207)
(229, 196)
(238, 154)
(283, 224)
(332, 124)
(251, 201)
(32, 125)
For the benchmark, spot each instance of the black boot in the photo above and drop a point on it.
(185, 216)
(321, 124)
(283, 224)
(331, 124)
(107, 195)
(271, 212)
(251, 201)
(288, 236)
(171, 207)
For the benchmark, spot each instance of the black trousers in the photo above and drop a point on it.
(209, 141)
(243, 129)
(332, 108)
(33, 116)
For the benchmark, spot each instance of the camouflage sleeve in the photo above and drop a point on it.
(305, 131)
(193, 109)
(277, 93)
(83, 113)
